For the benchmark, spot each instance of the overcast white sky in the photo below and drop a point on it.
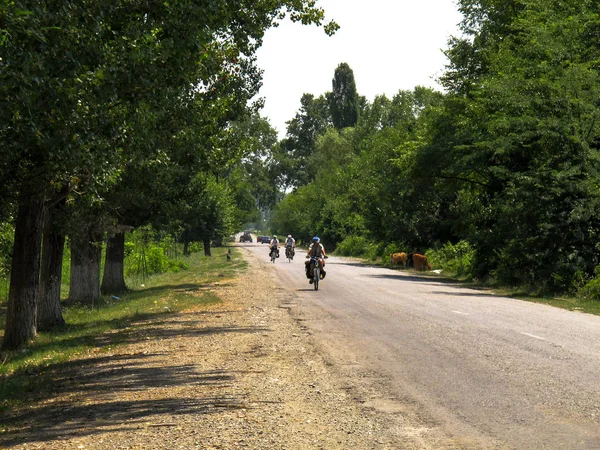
(389, 44)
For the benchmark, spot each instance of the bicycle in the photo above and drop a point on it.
(289, 253)
(314, 261)
(273, 254)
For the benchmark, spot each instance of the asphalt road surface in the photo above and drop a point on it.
(462, 368)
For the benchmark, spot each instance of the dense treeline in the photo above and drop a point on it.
(117, 114)
(503, 164)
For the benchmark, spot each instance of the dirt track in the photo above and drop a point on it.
(242, 374)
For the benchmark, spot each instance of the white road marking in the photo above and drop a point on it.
(534, 336)
(460, 312)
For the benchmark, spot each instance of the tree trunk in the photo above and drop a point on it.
(206, 247)
(25, 273)
(49, 312)
(186, 248)
(86, 251)
(113, 280)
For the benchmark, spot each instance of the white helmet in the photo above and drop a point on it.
(289, 235)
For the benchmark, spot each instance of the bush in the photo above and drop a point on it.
(357, 246)
(591, 289)
(148, 254)
(456, 259)
(375, 251)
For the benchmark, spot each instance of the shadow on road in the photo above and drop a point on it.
(473, 294)
(414, 278)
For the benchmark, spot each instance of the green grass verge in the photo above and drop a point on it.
(113, 323)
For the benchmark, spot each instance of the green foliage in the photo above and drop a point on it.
(147, 253)
(295, 151)
(298, 213)
(125, 104)
(208, 211)
(6, 248)
(526, 142)
(454, 259)
(591, 289)
(357, 246)
(343, 99)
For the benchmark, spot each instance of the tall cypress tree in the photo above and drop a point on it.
(343, 100)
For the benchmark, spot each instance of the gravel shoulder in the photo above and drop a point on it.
(240, 374)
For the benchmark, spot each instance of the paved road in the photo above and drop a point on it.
(461, 368)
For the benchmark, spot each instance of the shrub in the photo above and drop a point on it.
(456, 259)
(148, 254)
(375, 251)
(357, 246)
(591, 289)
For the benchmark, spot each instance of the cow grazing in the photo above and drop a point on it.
(420, 262)
(398, 258)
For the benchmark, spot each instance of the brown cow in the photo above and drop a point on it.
(420, 262)
(398, 258)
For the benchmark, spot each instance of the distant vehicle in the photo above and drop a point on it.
(265, 240)
(246, 237)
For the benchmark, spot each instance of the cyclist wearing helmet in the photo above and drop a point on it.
(274, 246)
(290, 244)
(316, 249)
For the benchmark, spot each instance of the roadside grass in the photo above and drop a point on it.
(571, 303)
(114, 322)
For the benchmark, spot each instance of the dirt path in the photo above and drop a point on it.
(242, 374)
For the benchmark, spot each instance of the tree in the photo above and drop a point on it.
(343, 99)
(73, 73)
(530, 154)
(209, 211)
(49, 311)
(311, 120)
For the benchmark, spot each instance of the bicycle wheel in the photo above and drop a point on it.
(317, 274)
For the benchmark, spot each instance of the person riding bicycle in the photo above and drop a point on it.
(290, 244)
(274, 246)
(317, 250)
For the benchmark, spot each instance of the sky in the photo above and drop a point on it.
(390, 45)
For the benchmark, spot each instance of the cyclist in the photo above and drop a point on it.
(316, 249)
(274, 246)
(290, 244)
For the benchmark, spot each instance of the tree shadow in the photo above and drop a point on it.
(475, 294)
(415, 278)
(108, 376)
(184, 287)
(352, 263)
(138, 329)
(58, 422)
(135, 294)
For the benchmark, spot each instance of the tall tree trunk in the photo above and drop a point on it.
(86, 251)
(49, 312)
(113, 280)
(25, 273)
(206, 247)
